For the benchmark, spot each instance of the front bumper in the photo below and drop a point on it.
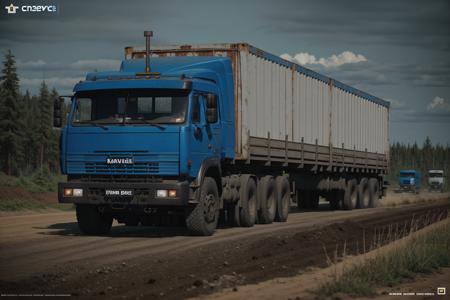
(408, 188)
(144, 194)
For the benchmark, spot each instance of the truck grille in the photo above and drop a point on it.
(144, 163)
(136, 168)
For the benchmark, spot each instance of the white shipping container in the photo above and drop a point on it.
(302, 109)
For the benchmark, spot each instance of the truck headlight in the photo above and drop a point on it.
(161, 193)
(78, 192)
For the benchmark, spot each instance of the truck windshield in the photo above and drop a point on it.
(408, 175)
(434, 174)
(147, 106)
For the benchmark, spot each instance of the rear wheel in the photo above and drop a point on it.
(266, 195)
(92, 220)
(202, 219)
(363, 194)
(248, 211)
(373, 192)
(283, 192)
(350, 195)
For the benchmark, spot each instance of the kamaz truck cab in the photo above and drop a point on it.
(436, 180)
(144, 144)
(409, 181)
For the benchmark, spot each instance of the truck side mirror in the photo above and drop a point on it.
(57, 112)
(211, 108)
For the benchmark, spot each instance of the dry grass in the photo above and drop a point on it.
(421, 252)
(396, 199)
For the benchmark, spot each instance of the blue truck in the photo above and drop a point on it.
(409, 181)
(185, 134)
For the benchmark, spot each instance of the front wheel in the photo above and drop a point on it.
(202, 219)
(92, 220)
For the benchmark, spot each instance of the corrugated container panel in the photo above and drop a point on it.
(289, 105)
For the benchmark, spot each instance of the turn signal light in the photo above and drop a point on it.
(68, 192)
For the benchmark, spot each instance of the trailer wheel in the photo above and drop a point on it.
(373, 192)
(202, 219)
(266, 195)
(283, 192)
(248, 211)
(92, 221)
(350, 195)
(363, 194)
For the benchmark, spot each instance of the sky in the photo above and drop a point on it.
(395, 50)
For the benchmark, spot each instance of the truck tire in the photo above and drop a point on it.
(91, 221)
(267, 199)
(283, 193)
(202, 219)
(373, 192)
(247, 195)
(350, 195)
(363, 194)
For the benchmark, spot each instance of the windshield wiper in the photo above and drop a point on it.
(149, 123)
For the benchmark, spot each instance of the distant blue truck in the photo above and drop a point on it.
(409, 181)
(183, 134)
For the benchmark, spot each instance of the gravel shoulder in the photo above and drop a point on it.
(45, 253)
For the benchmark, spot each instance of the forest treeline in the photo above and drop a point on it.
(30, 144)
(27, 139)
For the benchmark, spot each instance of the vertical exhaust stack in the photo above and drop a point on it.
(148, 35)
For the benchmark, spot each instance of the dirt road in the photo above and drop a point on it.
(45, 253)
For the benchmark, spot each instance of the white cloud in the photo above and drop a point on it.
(439, 104)
(346, 57)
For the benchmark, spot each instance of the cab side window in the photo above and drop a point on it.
(212, 112)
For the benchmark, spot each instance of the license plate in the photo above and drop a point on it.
(119, 193)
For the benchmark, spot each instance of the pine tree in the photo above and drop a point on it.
(11, 150)
(44, 126)
(53, 150)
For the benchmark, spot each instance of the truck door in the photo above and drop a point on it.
(205, 130)
(213, 124)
